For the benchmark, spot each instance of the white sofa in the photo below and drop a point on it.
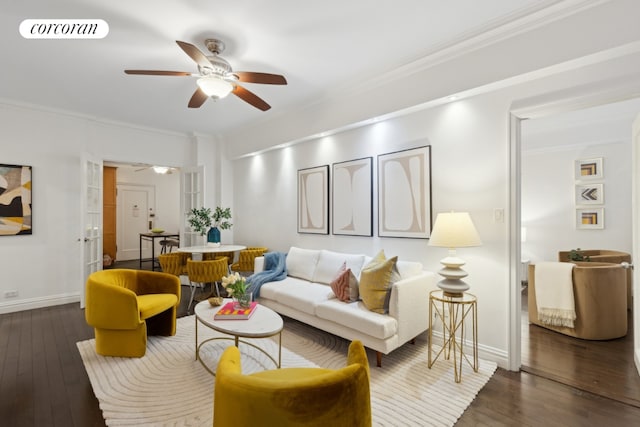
(306, 295)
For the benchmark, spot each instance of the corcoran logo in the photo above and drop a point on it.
(64, 29)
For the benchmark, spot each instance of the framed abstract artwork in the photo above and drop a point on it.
(404, 193)
(352, 204)
(590, 194)
(586, 169)
(590, 219)
(15, 200)
(313, 200)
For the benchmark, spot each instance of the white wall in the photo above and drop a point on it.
(45, 267)
(551, 145)
(549, 210)
(469, 148)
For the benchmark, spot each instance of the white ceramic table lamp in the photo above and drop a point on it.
(453, 230)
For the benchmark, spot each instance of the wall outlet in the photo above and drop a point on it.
(10, 294)
(498, 215)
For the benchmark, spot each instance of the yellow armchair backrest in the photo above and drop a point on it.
(293, 396)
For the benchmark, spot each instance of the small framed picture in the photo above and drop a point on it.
(590, 194)
(590, 219)
(589, 169)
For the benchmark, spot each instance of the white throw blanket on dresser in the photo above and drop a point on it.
(554, 293)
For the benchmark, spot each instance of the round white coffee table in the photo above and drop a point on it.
(263, 323)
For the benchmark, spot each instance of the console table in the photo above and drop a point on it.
(152, 237)
(452, 311)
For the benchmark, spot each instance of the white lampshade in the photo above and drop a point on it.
(215, 86)
(454, 230)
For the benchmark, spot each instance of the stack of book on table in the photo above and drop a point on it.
(229, 312)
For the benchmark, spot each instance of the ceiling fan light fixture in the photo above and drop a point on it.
(160, 169)
(215, 87)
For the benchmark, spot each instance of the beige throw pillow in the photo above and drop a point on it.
(376, 279)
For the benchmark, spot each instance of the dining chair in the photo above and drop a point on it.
(174, 263)
(202, 272)
(246, 259)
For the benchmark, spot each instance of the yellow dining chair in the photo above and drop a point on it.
(202, 272)
(208, 256)
(293, 396)
(174, 263)
(246, 259)
(123, 306)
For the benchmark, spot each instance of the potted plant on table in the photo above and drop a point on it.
(238, 289)
(577, 255)
(204, 221)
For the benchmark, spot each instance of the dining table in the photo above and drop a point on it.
(209, 249)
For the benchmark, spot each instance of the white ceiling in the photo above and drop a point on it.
(324, 48)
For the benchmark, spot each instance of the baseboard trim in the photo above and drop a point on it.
(41, 302)
(484, 352)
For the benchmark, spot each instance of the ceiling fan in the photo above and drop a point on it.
(162, 170)
(216, 78)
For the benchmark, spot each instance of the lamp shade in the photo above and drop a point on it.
(454, 230)
(215, 86)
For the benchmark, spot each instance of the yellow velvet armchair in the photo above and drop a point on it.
(123, 306)
(293, 396)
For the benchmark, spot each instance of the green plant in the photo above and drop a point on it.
(220, 217)
(576, 255)
(202, 219)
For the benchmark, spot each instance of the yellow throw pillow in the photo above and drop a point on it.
(376, 279)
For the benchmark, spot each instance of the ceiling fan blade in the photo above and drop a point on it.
(194, 53)
(158, 73)
(264, 78)
(251, 98)
(197, 99)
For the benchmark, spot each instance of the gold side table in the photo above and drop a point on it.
(453, 311)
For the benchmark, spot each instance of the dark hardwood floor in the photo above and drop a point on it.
(605, 368)
(43, 382)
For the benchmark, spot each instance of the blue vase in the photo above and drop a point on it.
(213, 236)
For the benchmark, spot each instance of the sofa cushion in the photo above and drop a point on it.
(302, 295)
(329, 262)
(375, 283)
(301, 263)
(345, 285)
(356, 316)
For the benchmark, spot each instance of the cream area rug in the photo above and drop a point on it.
(168, 387)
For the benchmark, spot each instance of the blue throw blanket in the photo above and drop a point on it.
(275, 268)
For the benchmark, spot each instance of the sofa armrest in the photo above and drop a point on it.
(409, 304)
(258, 264)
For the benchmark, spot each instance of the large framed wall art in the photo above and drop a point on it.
(313, 200)
(404, 193)
(15, 200)
(352, 204)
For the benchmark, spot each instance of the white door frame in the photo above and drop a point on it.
(635, 216)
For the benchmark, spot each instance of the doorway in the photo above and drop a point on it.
(136, 214)
(587, 365)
